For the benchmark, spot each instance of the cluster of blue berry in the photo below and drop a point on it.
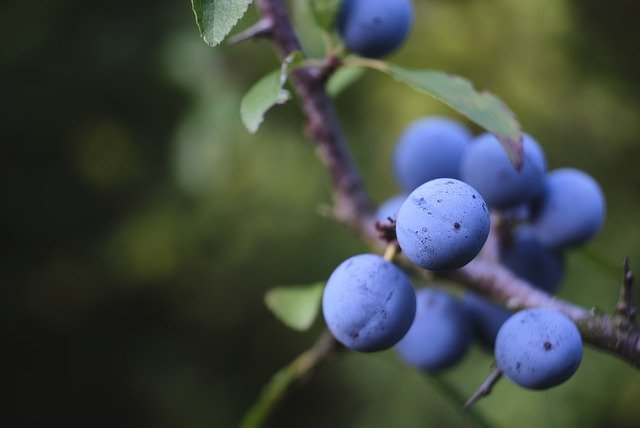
(452, 181)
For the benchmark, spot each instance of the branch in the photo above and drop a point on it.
(352, 203)
(353, 208)
(609, 333)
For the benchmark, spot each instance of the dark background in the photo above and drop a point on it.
(142, 223)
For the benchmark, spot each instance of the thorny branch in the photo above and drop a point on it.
(353, 208)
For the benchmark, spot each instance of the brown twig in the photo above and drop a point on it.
(352, 203)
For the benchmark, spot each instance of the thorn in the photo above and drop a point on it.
(262, 28)
(625, 306)
(485, 388)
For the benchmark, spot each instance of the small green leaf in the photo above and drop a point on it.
(216, 18)
(267, 92)
(263, 95)
(342, 79)
(295, 306)
(483, 108)
(324, 12)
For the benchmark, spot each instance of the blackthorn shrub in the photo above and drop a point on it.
(374, 28)
(429, 148)
(368, 303)
(538, 348)
(443, 224)
(486, 167)
(440, 334)
(571, 209)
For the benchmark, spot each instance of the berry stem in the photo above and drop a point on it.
(391, 251)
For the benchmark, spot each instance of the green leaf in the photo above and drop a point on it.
(216, 18)
(324, 12)
(263, 95)
(483, 108)
(267, 92)
(295, 306)
(342, 79)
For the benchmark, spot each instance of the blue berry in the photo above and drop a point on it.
(443, 224)
(532, 261)
(368, 303)
(440, 334)
(374, 28)
(428, 149)
(571, 209)
(389, 208)
(538, 348)
(487, 317)
(487, 168)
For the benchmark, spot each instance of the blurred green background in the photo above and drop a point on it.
(143, 223)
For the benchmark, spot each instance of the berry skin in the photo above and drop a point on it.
(428, 149)
(538, 348)
(487, 168)
(486, 316)
(374, 28)
(443, 224)
(538, 264)
(368, 303)
(440, 334)
(571, 209)
(390, 207)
